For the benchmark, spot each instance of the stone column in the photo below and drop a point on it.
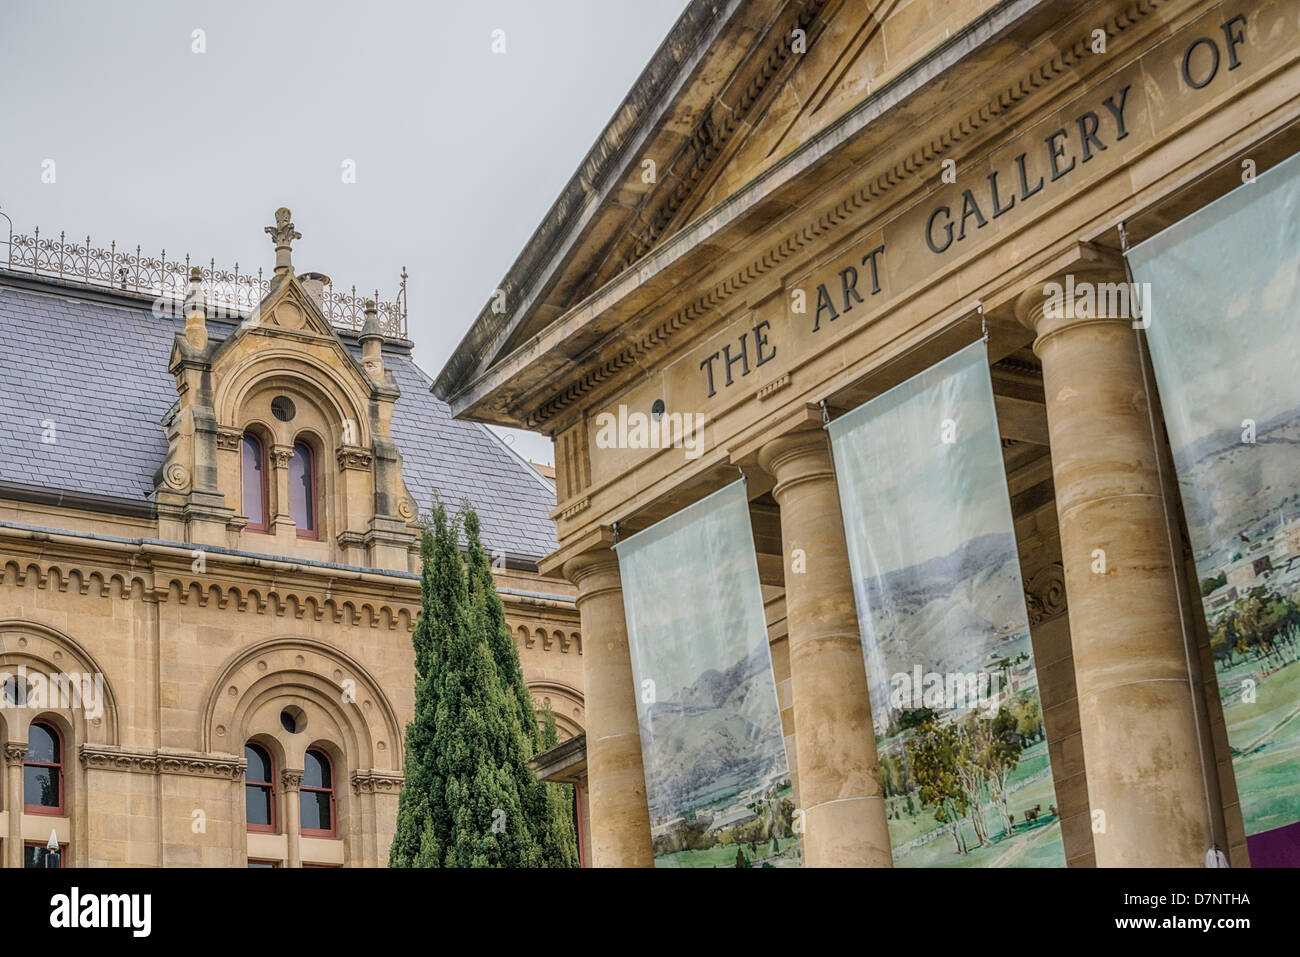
(1137, 716)
(15, 753)
(620, 820)
(839, 779)
(282, 525)
(291, 782)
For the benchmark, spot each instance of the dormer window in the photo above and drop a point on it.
(302, 490)
(253, 471)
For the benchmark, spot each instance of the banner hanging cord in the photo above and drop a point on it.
(984, 323)
(1174, 556)
(826, 415)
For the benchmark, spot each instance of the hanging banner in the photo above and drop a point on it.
(945, 635)
(1224, 333)
(716, 774)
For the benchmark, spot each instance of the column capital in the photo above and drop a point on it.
(291, 779)
(594, 571)
(800, 456)
(1090, 287)
(15, 753)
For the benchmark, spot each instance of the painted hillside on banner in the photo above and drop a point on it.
(1224, 332)
(945, 635)
(717, 778)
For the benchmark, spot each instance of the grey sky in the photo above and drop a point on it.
(459, 151)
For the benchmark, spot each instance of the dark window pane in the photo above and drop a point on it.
(42, 744)
(302, 506)
(316, 770)
(259, 764)
(254, 507)
(261, 864)
(258, 800)
(36, 856)
(41, 786)
(316, 810)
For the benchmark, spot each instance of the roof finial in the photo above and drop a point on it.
(372, 343)
(283, 234)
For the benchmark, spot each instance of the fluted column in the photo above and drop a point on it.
(839, 779)
(291, 781)
(1136, 709)
(620, 819)
(15, 753)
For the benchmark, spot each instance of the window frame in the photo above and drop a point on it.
(313, 504)
(315, 832)
(264, 526)
(270, 785)
(61, 809)
(63, 855)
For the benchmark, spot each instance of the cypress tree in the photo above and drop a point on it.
(469, 798)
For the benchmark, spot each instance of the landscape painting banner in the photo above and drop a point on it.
(1224, 334)
(716, 774)
(945, 634)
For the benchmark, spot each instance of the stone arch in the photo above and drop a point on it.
(304, 377)
(566, 702)
(44, 650)
(335, 690)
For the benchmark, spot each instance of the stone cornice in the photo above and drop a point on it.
(102, 757)
(919, 163)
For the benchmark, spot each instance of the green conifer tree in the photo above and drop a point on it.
(469, 798)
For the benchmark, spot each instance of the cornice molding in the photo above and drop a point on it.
(140, 761)
(920, 161)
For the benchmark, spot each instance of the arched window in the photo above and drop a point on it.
(254, 483)
(317, 795)
(259, 789)
(43, 770)
(302, 490)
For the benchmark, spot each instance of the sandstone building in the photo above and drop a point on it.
(209, 490)
(800, 204)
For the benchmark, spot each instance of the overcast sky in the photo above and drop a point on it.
(458, 151)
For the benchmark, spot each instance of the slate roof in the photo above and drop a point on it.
(91, 374)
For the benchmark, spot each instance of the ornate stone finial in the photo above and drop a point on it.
(370, 328)
(283, 234)
(372, 343)
(196, 330)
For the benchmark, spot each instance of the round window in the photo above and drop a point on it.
(292, 719)
(282, 408)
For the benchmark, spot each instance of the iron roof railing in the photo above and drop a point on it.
(227, 291)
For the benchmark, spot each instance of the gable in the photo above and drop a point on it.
(741, 99)
(97, 370)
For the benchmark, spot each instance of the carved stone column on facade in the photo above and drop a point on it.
(620, 819)
(291, 783)
(282, 524)
(839, 778)
(15, 753)
(1138, 719)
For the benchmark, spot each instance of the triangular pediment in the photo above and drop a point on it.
(769, 79)
(289, 308)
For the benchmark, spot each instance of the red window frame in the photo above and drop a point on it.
(58, 766)
(269, 785)
(303, 789)
(264, 524)
(63, 851)
(262, 860)
(313, 498)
